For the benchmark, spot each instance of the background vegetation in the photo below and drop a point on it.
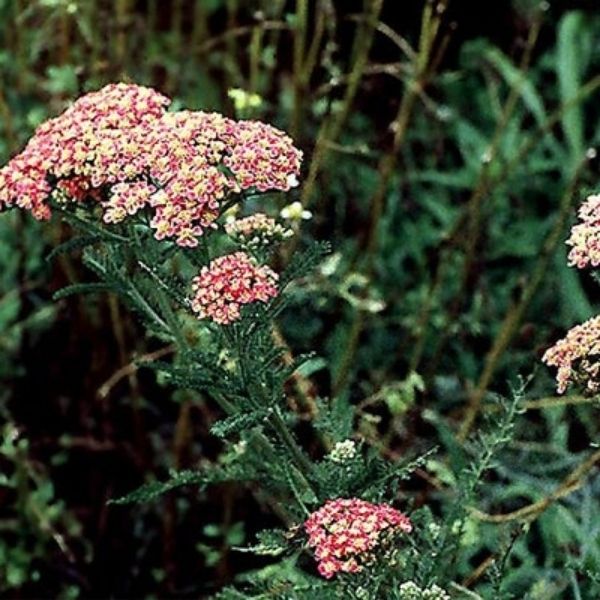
(444, 166)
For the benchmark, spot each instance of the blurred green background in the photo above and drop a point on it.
(445, 178)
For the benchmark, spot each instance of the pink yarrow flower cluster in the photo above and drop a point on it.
(585, 236)
(577, 357)
(228, 283)
(345, 532)
(119, 147)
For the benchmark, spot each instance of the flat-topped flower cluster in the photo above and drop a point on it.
(228, 283)
(120, 147)
(345, 532)
(585, 236)
(409, 590)
(577, 357)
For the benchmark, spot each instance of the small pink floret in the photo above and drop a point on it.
(585, 236)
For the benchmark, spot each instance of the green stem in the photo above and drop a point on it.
(170, 322)
(276, 419)
(147, 308)
(283, 433)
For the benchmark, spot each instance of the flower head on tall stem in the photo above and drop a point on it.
(345, 532)
(585, 236)
(257, 231)
(119, 147)
(577, 357)
(228, 283)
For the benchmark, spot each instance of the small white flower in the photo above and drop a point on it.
(361, 593)
(295, 212)
(343, 451)
(292, 181)
(231, 213)
(240, 447)
(409, 590)
(486, 157)
(243, 100)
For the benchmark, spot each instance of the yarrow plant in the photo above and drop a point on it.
(585, 236)
(257, 231)
(150, 194)
(577, 357)
(343, 452)
(409, 590)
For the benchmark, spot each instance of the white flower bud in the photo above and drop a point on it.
(343, 452)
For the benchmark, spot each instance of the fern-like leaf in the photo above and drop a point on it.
(238, 423)
(82, 288)
(155, 489)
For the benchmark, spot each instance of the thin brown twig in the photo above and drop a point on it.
(473, 214)
(132, 367)
(392, 35)
(237, 32)
(570, 484)
(485, 564)
(452, 237)
(300, 33)
(333, 125)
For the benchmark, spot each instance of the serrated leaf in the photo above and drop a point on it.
(303, 262)
(271, 542)
(81, 288)
(71, 245)
(155, 489)
(92, 228)
(237, 423)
